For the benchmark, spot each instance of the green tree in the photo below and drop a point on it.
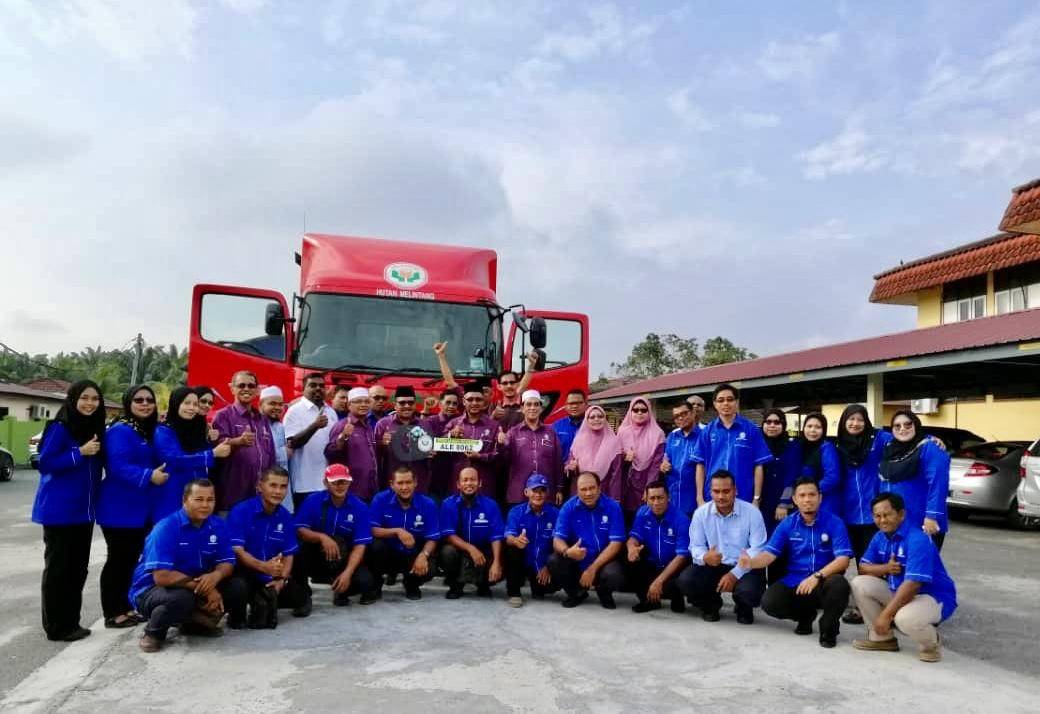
(664, 354)
(719, 350)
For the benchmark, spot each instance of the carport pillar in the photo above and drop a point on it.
(876, 397)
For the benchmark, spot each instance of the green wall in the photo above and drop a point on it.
(14, 436)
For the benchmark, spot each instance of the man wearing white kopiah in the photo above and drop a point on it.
(272, 406)
(352, 442)
(531, 447)
(307, 426)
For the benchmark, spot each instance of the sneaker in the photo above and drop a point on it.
(711, 616)
(644, 606)
(678, 605)
(515, 601)
(606, 599)
(454, 592)
(575, 600)
(370, 597)
(852, 617)
(413, 594)
(804, 628)
(303, 610)
(149, 643)
(828, 641)
(889, 645)
(77, 634)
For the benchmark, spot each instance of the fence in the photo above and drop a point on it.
(15, 435)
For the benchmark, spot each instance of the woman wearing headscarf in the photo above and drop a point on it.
(70, 476)
(183, 445)
(132, 472)
(778, 474)
(819, 461)
(598, 449)
(207, 397)
(642, 442)
(918, 469)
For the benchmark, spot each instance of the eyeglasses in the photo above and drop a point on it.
(903, 425)
(206, 402)
(406, 402)
(380, 398)
(777, 422)
(246, 385)
(144, 400)
(509, 383)
(722, 400)
(640, 410)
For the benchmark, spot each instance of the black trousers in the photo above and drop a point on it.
(166, 607)
(567, 573)
(386, 560)
(832, 596)
(458, 567)
(66, 555)
(310, 563)
(938, 539)
(642, 572)
(291, 596)
(699, 583)
(860, 535)
(124, 550)
(517, 572)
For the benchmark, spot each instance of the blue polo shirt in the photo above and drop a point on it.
(737, 449)
(925, 494)
(566, 430)
(420, 518)
(539, 529)
(681, 480)
(479, 523)
(351, 521)
(176, 544)
(126, 491)
(860, 483)
(597, 527)
(808, 547)
(262, 535)
(920, 560)
(664, 537)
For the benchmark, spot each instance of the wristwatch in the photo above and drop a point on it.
(818, 575)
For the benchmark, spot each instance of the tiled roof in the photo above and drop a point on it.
(50, 384)
(1023, 213)
(23, 391)
(985, 332)
(1003, 250)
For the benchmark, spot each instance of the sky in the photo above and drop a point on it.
(700, 168)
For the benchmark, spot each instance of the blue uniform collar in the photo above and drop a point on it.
(183, 520)
(901, 532)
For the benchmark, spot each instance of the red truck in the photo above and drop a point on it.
(369, 310)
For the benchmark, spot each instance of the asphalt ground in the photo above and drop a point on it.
(480, 655)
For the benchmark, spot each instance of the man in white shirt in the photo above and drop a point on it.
(307, 426)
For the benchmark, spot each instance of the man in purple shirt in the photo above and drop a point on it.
(249, 433)
(437, 426)
(392, 447)
(531, 447)
(476, 424)
(353, 443)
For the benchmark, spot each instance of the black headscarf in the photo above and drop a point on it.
(900, 459)
(82, 428)
(854, 448)
(811, 449)
(144, 427)
(776, 444)
(191, 433)
(203, 390)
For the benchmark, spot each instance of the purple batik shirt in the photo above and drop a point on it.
(441, 484)
(609, 483)
(635, 480)
(237, 476)
(486, 430)
(388, 461)
(529, 451)
(358, 454)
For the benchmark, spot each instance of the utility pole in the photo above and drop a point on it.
(138, 349)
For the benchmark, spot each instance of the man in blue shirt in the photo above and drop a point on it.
(720, 531)
(818, 551)
(334, 531)
(677, 468)
(471, 538)
(184, 575)
(731, 443)
(902, 583)
(567, 428)
(405, 531)
(658, 550)
(529, 539)
(586, 544)
(264, 541)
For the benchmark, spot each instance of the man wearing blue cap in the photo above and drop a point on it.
(529, 538)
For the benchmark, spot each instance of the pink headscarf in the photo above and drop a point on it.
(644, 437)
(595, 450)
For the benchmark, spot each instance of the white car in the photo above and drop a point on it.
(1028, 495)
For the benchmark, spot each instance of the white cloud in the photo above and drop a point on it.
(851, 151)
(744, 177)
(245, 7)
(756, 120)
(607, 32)
(691, 116)
(781, 61)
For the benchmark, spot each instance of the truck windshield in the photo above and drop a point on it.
(392, 334)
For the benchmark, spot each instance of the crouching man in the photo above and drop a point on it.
(471, 538)
(184, 575)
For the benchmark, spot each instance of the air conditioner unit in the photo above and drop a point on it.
(38, 411)
(924, 406)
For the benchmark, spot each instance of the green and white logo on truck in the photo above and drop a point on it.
(406, 276)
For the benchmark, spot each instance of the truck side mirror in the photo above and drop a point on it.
(274, 319)
(537, 332)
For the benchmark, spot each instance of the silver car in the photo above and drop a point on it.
(984, 478)
(1028, 494)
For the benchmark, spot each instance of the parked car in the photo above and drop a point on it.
(953, 439)
(1028, 493)
(984, 478)
(34, 450)
(6, 464)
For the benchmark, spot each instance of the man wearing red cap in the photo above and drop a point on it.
(334, 531)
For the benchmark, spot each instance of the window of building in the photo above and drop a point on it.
(964, 299)
(1017, 288)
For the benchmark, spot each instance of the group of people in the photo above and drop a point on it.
(238, 513)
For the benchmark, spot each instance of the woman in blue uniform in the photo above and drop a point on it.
(70, 474)
(819, 461)
(778, 474)
(918, 469)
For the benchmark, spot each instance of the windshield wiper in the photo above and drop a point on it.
(400, 370)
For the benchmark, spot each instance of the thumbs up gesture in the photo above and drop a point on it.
(712, 557)
(348, 430)
(576, 551)
(630, 454)
(892, 567)
(248, 438)
(222, 449)
(521, 540)
(91, 447)
(666, 465)
(387, 436)
(501, 436)
(744, 561)
(635, 550)
(456, 432)
(275, 566)
(159, 475)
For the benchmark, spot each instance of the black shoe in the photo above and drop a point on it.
(237, 622)
(112, 623)
(711, 616)
(370, 597)
(746, 618)
(678, 605)
(852, 616)
(483, 591)
(606, 599)
(341, 600)
(645, 606)
(454, 592)
(303, 610)
(575, 600)
(77, 634)
(538, 594)
(413, 594)
(828, 641)
(195, 629)
(391, 578)
(804, 628)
